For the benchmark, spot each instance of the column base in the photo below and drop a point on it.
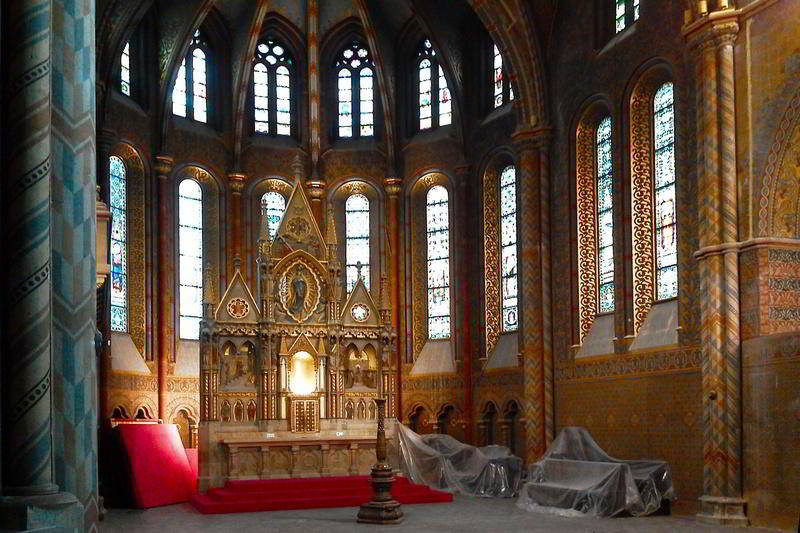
(723, 510)
(57, 513)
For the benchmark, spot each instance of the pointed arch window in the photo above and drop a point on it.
(355, 72)
(508, 244)
(119, 244)
(605, 218)
(190, 266)
(125, 70)
(190, 92)
(501, 86)
(435, 106)
(273, 205)
(356, 212)
(273, 69)
(438, 232)
(666, 242)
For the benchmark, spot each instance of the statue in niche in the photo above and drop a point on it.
(298, 295)
(251, 410)
(226, 412)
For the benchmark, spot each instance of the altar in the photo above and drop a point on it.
(290, 370)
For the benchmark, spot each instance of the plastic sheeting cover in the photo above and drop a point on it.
(442, 462)
(576, 475)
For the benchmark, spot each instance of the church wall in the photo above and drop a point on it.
(637, 404)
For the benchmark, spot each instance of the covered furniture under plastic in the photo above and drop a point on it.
(442, 462)
(575, 476)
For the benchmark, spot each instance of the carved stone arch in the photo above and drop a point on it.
(136, 173)
(779, 213)
(361, 410)
(213, 221)
(641, 129)
(417, 416)
(184, 403)
(146, 403)
(121, 402)
(349, 410)
(372, 410)
(144, 412)
(584, 192)
(491, 167)
(417, 191)
(119, 411)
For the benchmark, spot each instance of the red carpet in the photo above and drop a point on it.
(307, 493)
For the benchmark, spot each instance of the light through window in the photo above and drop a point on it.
(434, 102)
(119, 244)
(125, 70)
(356, 91)
(273, 204)
(356, 212)
(605, 218)
(666, 243)
(190, 91)
(272, 88)
(438, 233)
(190, 266)
(508, 237)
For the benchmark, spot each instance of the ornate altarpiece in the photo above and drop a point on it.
(290, 371)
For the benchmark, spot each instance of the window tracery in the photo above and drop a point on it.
(190, 91)
(119, 244)
(356, 211)
(190, 246)
(435, 106)
(356, 91)
(438, 259)
(272, 88)
(125, 70)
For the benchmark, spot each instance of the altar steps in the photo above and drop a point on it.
(307, 493)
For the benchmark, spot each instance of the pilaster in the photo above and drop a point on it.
(166, 330)
(393, 187)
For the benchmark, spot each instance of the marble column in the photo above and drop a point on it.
(394, 186)
(534, 266)
(468, 258)
(166, 327)
(30, 498)
(710, 39)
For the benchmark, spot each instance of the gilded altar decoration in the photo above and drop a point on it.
(359, 312)
(238, 308)
(299, 291)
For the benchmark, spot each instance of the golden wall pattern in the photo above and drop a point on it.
(491, 246)
(587, 225)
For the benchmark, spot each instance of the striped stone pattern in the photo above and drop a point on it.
(73, 252)
(531, 292)
(315, 134)
(491, 259)
(27, 443)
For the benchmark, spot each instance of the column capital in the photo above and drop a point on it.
(315, 188)
(716, 29)
(236, 181)
(393, 186)
(163, 166)
(528, 137)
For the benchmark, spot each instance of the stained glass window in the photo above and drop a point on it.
(626, 12)
(619, 15)
(438, 230)
(435, 105)
(119, 247)
(125, 70)
(272, 88)
(356, 213)
(666, 243)
(190, 91)
(273, 204)
(356, 91)
(605, 218)
(635, 9)
(190, 247)
(508, 242)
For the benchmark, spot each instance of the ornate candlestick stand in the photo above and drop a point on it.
(382, 509)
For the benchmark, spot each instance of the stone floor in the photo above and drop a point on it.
(464, 515)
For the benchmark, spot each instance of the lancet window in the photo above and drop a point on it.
(356, 91)
(273, 204)
(356, 211)
(190, 92)
(119, 244)
(438, 248)
(508, 244)
(272, 88)
(125, 70)
(666, 242)
(502, 91)
(190, 246)
(605, 218)
(435, 106)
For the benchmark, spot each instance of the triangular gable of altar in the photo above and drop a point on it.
(360, 299)
(237, 304)
(298, 229)
(303, 344)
